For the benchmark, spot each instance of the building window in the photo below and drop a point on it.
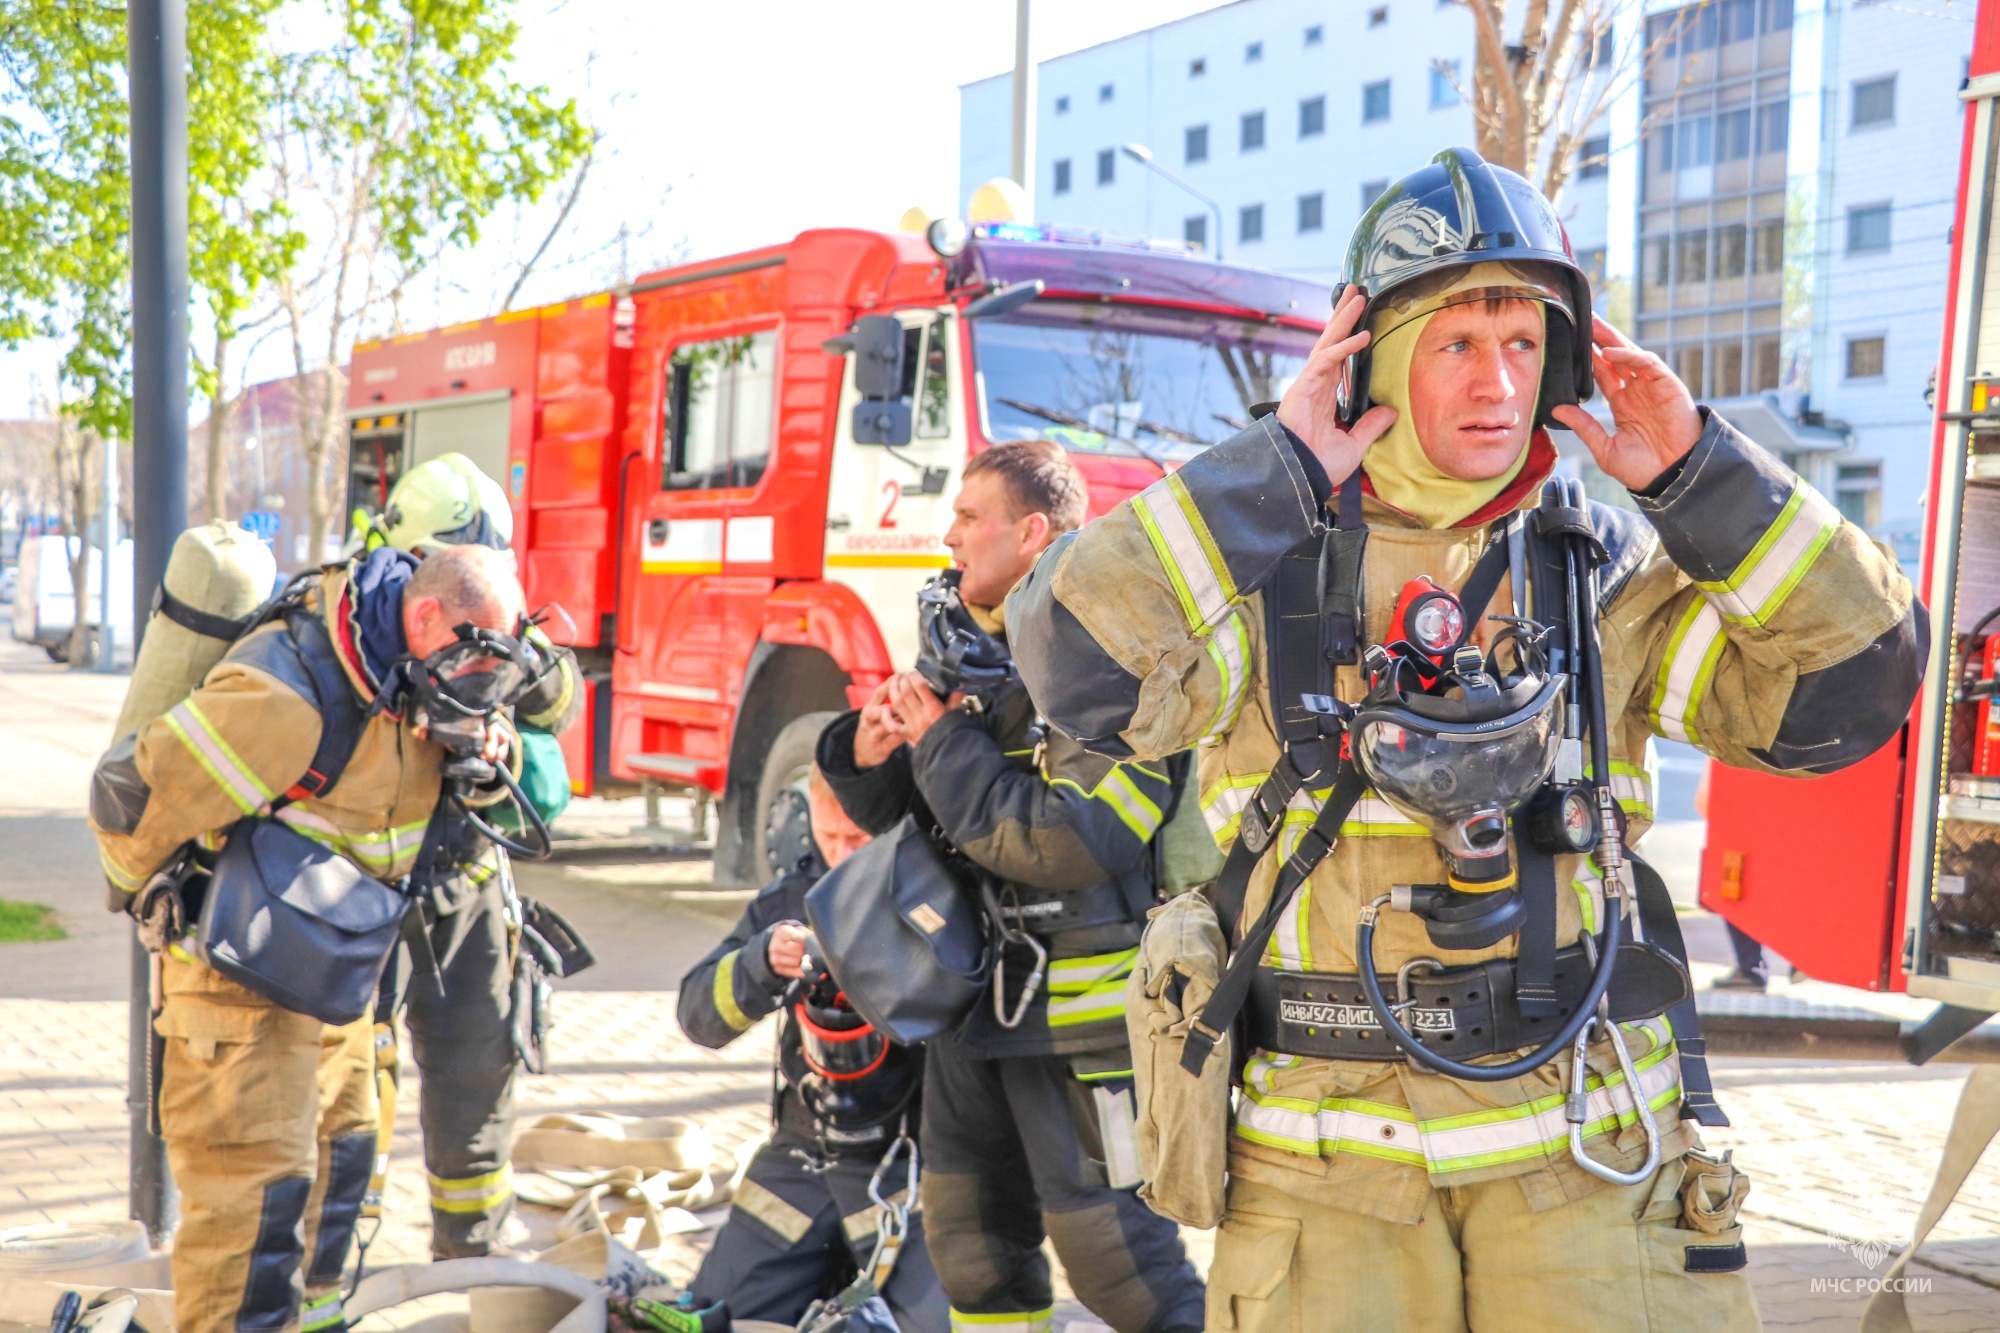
(1865, 357)
(1062, 175)
(1766, 364)
(1371, 191)
(1777, 15)
(1593, 158)
(1107, 165)
(1062, 106)
(1315, 35)
(1605, 49)
(1725, 369)
(1592, 263)
(1312, 211)
(1874, 103)
(1867, 228)
(1106, 92)
(1195, 144)
(1312, 117)
(1194, 231)
(1739, 20)
(1253, 53)
(1732, 135)
(1444, 86)
(1767, 252)
(1858, 492)
(1691, 258)
(1197, 67)
(1374, 102)
(1731, 250)
(1250, 223)
(1252, 132)
(1773, 126)
(1378, 16)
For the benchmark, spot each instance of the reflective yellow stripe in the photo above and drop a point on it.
(201, 739)
(380, 853)
(1133, 807)
(1760, 584)
(1186, 551)
(1229, 649)
(322, 1312)
(1089, 989)
(1631, 787)
(1448, 1143)
(1686, 669)
(472, 1194)
(1026, 1321)
(725, 993)
(1223, 804)
(121, 881)
(1291, 942)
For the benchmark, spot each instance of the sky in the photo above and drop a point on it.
(727, 126)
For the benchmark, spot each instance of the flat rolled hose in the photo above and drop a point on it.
(389, 1287)
(1600, 980)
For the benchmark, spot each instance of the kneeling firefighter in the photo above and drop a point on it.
(265, 830)
(1027, 1126)
(1469, 1074)
(831, 1196)
(477, 1006)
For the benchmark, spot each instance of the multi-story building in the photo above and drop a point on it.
(1770, 201)
(1291, 115)
(1794, 190)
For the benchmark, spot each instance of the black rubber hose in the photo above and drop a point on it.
(1600, 980)
(531, 816)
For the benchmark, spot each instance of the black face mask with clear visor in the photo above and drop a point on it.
(454, 694)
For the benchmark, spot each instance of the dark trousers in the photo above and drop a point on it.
(795, 1234)
(465, 1049)
(1013, 1152)
(1749, 953)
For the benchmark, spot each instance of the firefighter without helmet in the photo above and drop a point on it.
(447, 501)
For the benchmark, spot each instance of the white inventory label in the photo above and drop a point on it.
(1320, 1014)
(1951, 886)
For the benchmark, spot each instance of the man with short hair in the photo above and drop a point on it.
(1371, 1184)
(269, 1115)
(1028, 1127)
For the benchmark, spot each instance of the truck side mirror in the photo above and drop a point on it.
(883, 416)
(1005, 300)
(878, 356)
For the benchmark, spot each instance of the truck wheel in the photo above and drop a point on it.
(782, 788)
(57, 651)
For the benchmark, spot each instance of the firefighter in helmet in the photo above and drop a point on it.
(464, 1016)
(1423, 711)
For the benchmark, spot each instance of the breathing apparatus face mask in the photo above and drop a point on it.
(954, 654)
(1455, 739)
(853, 1080)
(455, 691)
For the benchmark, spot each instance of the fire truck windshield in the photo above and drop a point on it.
(1127, 379)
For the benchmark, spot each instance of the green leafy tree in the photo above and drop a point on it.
(65, 200)
(397, 141)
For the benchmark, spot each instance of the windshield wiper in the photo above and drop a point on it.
(1078, 423)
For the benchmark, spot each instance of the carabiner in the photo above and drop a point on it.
(1576, 1107)
(1028, 992)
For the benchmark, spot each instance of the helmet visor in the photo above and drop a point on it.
(1438, 776)
(838, 1043)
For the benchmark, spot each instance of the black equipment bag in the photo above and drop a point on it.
(284, 916)
(904, 934)
(297, 923)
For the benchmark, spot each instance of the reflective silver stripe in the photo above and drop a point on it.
(1229, 649)
(1168, 513)
(1686, 672)
(1753, 593)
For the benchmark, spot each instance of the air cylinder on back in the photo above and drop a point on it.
(219, 569)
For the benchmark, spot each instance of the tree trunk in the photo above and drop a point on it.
(77, 520)
(218, 422)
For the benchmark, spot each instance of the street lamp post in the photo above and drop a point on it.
(1143, 155)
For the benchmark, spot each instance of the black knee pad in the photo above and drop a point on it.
(271, 1293)
(350, 1161)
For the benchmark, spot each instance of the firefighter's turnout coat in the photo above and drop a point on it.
(1740, 613)
(1067, 832)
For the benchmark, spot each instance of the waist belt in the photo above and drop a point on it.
(1462, 1012)
(1051, 912)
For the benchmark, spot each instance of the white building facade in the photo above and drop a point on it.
(1289, 114)
(1841, 118)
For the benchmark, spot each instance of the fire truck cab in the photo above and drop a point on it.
(696, 507)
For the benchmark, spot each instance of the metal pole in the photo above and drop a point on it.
(1143, 155)
(107, 637)
(156, 54)
(1021, 163)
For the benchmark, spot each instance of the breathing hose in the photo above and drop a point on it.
(529, 816)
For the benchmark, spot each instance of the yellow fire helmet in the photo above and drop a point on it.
(447, 501)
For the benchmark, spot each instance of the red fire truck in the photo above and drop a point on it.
(731, 478)
(1887, 876)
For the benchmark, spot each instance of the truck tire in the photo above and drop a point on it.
(783, 781)
(57, 651)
